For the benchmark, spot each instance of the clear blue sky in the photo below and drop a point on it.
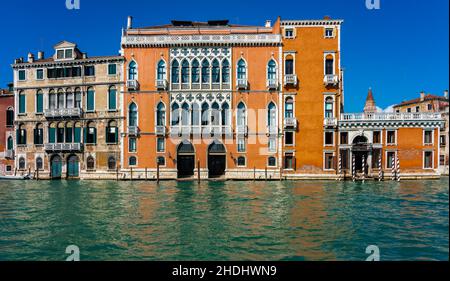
(399, 50)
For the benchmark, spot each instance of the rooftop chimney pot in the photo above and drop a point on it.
(40, 55)
(268, 23)
(422, 96)
(130, 22)
(30, 58)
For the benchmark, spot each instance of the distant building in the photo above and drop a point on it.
(6, 131)
(68, 114)
(380, 142)
(432, 103)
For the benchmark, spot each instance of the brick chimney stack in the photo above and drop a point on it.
(422, 96)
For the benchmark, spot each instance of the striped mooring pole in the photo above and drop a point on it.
(340, 168)
(364, 168)
(380, 171)
(353, 168)
(398, 168)
(393, 168)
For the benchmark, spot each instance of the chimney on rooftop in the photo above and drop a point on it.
(30, 58)
(84, 55)
(422, 96)
(327, 18)
(268, 23)
(446, 94)
(40, 55)
(130, 22)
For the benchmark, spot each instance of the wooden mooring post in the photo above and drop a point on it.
(198, 171)
(157, 172)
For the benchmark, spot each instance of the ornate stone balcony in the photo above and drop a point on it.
(290, 123)
(162, 84)
(290, 79)
(133, 130)
(330, 122)
(272, 84)
(160, 130)
(9, 154)
(58, 147)
(133, 85)
(331, 80)
(242, 84)
(63, 112)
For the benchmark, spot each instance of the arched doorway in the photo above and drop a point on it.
(73, 167)
(185, 159)
(56, 167)
(360, 150)
(216, 159)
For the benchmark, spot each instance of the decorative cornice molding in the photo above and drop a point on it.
(201, 40)
(99, 60)
(309, 23)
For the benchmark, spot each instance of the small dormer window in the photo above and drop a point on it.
(64, 54)
(289, 33)
(329, 33)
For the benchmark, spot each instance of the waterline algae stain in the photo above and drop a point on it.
(302, 220)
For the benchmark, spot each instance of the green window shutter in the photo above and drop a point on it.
(77, 135)
(90, 100)
(95, 135)
(39, 103)
(18, 136)
(51, 135)
(85, 135)
(111, 69)
(116, 135)
(35, 134)
(22, 103)
(107, 134)
(68, 135)
(112, 99)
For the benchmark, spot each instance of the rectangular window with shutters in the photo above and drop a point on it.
(112, 69)
(39, 136)
(77, 135)
(428, 160)
(112, 99)
(39, 103)
(160, 145)
(428, 137)
(111, 135)
(390, 137)
(329, 138)
(241, 145)
(377, 137)
(289, 138)
(52, 135)
(22, 103)
(69, 136)
(90, 100)
(390, 156)
(9, 118)
(344, 138)
(39, 74)
(22, 75)
(89, 70)
(132, 145)
(329, 161)
(91, 135)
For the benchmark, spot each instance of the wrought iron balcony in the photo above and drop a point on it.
(272, 84)
(290, 79)
(331, 80)
(9, 154)
(160, 130)
(63, 112)
(133, 130)
(162, 84)
(242, 84)
(63, 146)
(133, 85)
(330, 122)
(290, 123)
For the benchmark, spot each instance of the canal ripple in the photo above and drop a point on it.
(303, 220)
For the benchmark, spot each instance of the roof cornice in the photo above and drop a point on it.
(311, 22)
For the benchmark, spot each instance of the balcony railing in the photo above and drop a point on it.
(242, 84)
(272, 84)
(162, 84)
(133, 130)
(63, 146)
(290, 122)
(133, 85)
(160, 130)
(9, 154)
(242, 130)
(330, 122)
(387, 116)
(200, 130)
(290, 79)
(63, 112)
(272, 130)
(330, 79)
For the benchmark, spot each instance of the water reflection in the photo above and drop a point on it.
(224, 220)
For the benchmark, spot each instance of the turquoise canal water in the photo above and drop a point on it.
(301, 220)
